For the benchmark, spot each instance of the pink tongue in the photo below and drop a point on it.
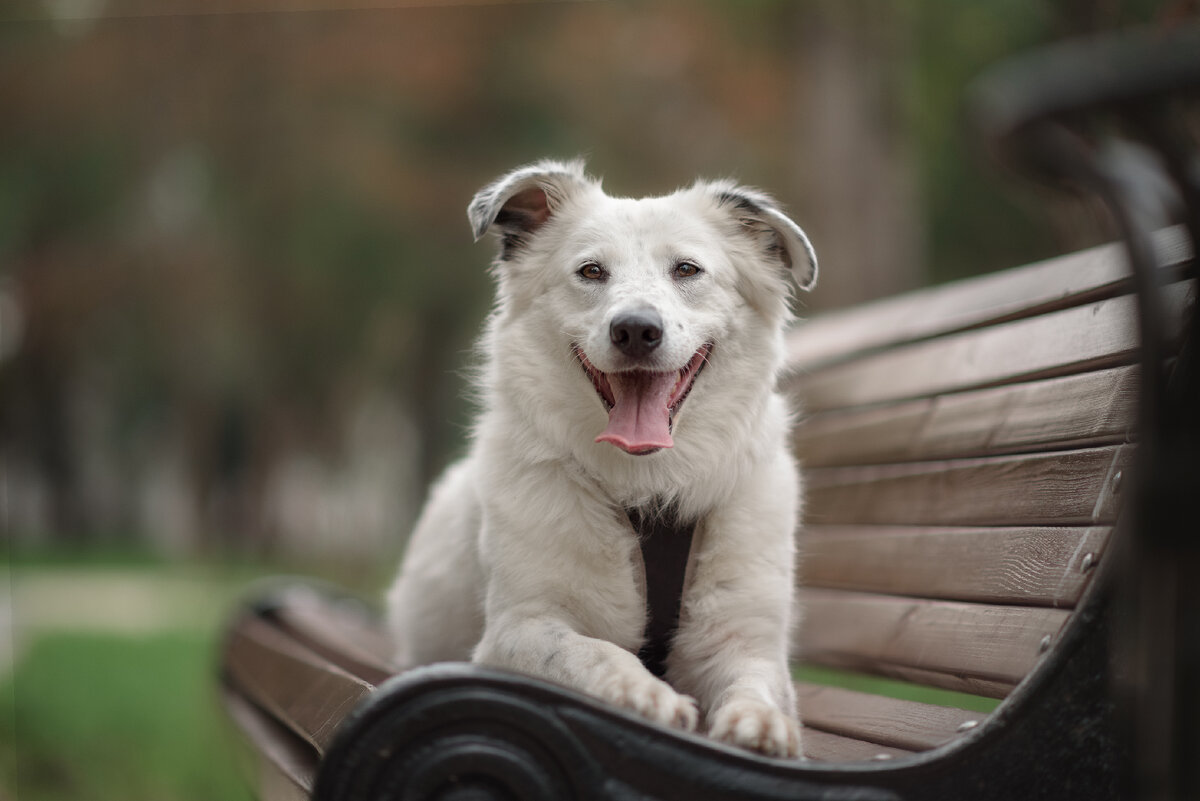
(640, 421)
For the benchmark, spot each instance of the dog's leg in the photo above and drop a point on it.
(564, 602)
(731, 650)
(435, 605)
(552, 649)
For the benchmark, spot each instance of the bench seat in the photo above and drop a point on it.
(965, 449)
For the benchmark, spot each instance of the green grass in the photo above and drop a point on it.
(112, 693)
(94, 717)
(892, 688)
(102, 707)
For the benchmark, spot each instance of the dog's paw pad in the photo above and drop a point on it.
(652, 699)
(758, 726)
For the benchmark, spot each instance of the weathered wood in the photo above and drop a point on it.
(886, 721)
(304, 691)
(1089, 409)
(963, 683)
(1058, 283)
(1042, 566)
(287, 765)
(345, 637)
(946, 641)
(275, 786)
(823, 746)
(1052, 489)
(1097, 336)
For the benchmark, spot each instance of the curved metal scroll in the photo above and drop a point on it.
(1111, 117)
(1100, 116)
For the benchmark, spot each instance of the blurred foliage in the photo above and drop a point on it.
(238, 293)
(108, 717)
(893, 688)
(966, 221)
(106, 684)
(223, 235)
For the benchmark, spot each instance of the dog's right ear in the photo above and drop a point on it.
(520, 202)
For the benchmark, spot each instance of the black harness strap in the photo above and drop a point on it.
(666, 544)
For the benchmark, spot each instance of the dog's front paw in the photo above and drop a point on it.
(650, 698)
(756, 725)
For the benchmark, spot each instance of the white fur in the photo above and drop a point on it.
(524, 558)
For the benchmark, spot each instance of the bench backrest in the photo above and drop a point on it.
(964, 449)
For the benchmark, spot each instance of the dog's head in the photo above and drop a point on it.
(641, 294)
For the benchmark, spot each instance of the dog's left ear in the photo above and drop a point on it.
(523, 200)
(776, 233)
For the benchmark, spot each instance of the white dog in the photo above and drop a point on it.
(629, 369)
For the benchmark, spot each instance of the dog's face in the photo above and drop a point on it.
(639, 294)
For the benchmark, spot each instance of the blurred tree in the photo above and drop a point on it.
(230, 235)
(858, 159)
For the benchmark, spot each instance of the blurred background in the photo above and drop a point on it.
(238, 291)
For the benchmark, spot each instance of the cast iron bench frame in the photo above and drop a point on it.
(967, 450)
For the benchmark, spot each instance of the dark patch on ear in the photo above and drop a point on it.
(776, 250)
(738, 201)
(527, 209)
(777, 235)
(773, 247)
(519, 217)
(511, 244)
(518, 204)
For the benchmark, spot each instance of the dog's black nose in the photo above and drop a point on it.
(637, 333)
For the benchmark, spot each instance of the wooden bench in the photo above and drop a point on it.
(967, 449)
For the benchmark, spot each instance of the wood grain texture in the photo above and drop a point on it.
(1035, 566)
(345, 637)
(892, 722)
(1058, 283)
(866, 632)
(1095, 408)
(1079, 339)
(823, 746)
(959, 682)
(1051, 489)
(305, 692)
(287, 765)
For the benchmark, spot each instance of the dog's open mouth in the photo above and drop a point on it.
(642, 404)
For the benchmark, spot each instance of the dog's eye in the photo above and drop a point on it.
(592, 271)
(686, 269)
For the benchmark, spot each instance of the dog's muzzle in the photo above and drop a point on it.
(642, 404)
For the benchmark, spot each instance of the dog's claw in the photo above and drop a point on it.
(758, 726)
(652, 699)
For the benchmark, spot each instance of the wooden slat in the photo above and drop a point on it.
(825, 747)
(945, 643)
(276, 786)
(288, 765)
(1095, 408)
(1098, 336)
(1058, 283)
(306, 693)
(344, 636)
(1067, 488)
(1042, 566)
(887, 721)
(959, 682)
